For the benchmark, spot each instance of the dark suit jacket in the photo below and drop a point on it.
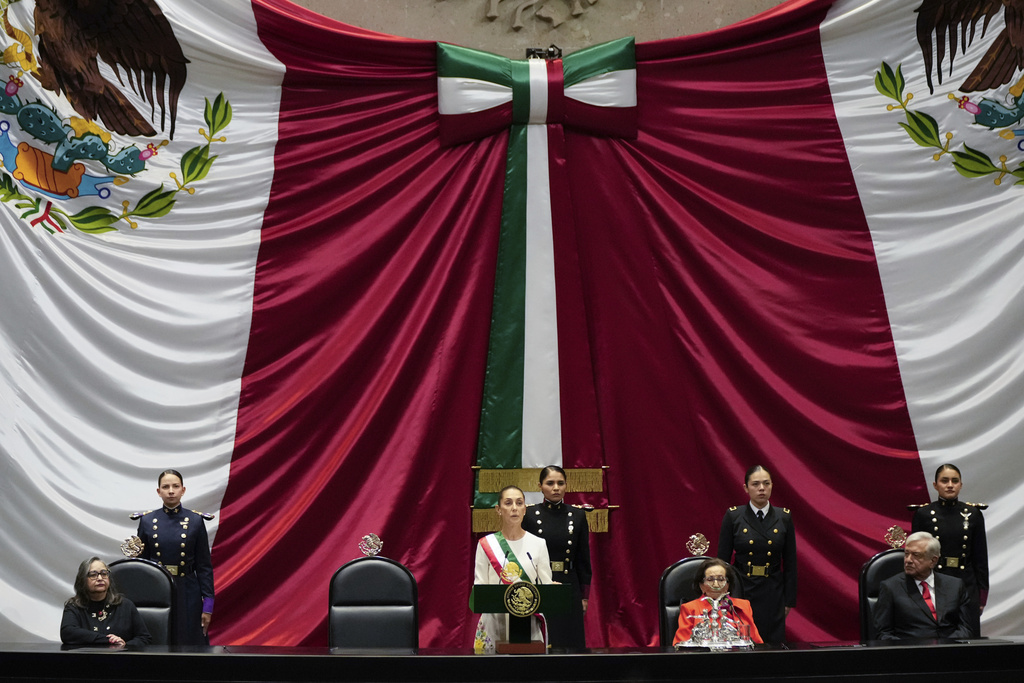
(901, 612)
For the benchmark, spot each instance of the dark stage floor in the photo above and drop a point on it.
(976, 660)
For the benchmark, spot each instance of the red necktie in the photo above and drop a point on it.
(926, 594)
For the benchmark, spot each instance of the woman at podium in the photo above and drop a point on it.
(505, 557)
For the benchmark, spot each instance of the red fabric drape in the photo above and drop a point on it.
(729, 296)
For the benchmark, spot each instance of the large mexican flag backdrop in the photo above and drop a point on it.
(242, 248)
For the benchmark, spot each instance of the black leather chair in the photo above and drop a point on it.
(373, 604)
(876, 570)
(676, 587)
(151, 588)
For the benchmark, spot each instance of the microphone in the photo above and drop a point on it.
(535, 568)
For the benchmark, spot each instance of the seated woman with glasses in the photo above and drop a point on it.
(712, 580)
(97, 614)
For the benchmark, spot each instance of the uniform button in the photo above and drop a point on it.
(184, 535)
(769, 542)
(182, 545)
(570, 542)
(965, 538)
(751, 541)
(158, 553)
(769, 553)
(744, 531)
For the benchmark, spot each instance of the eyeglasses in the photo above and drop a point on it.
(716, 579)
(103, 572)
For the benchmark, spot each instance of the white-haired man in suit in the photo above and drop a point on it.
(921, 603)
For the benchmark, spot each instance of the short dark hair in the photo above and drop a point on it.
(707, 564)
(750, 473)
(948, 466)
(548, 470)
(81, 596)
(174, 472)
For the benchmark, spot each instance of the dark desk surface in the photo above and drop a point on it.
(981, 659)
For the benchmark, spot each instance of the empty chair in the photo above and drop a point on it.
(876, 570)
(151, 588)
(373, 604)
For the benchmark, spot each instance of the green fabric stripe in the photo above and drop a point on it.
(618, 55)
(520, 94)
(460, 62)
(501, 416)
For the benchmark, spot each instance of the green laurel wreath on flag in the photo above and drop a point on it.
(924, 130)
(195, 164)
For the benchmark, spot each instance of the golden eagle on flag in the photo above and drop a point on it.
(133, 35)
(956, 21)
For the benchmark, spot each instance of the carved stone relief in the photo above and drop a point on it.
(555, 12)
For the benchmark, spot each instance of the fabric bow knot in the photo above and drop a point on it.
(593, 90)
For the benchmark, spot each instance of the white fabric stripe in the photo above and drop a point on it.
(542, 423)
(614, 89)
(538, 92)
(469, 95)
(950, 253)
(121, 354)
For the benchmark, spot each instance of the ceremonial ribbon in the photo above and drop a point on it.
(499, 553)
(480, 94)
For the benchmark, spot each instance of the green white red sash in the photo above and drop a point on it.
(499, 554)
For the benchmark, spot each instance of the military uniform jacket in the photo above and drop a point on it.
(764, 555)
(960, 528)
(177, 538)
(763, 550)
(565, 531)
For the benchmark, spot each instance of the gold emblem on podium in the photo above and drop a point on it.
(522, 599)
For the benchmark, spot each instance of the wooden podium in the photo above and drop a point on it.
(555, 598)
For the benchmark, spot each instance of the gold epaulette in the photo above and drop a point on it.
(733, 508)
(136, 515)
(786, 510)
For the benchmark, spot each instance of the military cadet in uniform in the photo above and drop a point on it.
(564, 529)
(960, 528)
(762, 548)
(176, 538)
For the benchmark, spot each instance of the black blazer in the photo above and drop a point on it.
(901, 612)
